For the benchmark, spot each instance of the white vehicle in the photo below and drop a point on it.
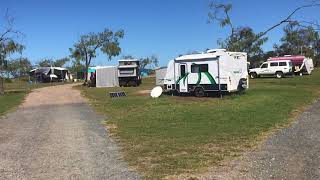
(279, 69)
(215, 70)
(300, 64)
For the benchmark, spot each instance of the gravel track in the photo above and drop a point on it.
(54, 134)
(292, 153)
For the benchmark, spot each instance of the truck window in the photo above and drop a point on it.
(273, 64)
(283, 64)
(265, 65)
(126, 71)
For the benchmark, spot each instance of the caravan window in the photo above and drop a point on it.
(204, 68)
(196, 68)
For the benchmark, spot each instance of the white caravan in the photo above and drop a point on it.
(216, 70)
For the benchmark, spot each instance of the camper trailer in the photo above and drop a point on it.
(215, 70)
(301, 64)
(129, 73)
(50, 74)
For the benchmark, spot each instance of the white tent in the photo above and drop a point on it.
(107, 76)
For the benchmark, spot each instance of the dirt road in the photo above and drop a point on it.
(56, 135)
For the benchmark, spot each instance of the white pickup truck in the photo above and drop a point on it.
(272, 68)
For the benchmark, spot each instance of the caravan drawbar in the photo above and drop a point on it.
(215, 70)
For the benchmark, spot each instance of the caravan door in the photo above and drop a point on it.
(183, 79)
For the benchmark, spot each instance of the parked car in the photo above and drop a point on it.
(300, 64)
(278, 69)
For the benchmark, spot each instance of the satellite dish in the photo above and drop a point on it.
(156, 92)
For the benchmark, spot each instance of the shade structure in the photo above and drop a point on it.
(160, 75)
(107, 76)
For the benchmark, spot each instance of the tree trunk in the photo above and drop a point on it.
(86, 75)
(1, 85)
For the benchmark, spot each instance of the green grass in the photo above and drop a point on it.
(174, 135)
(15, 92)
(10, 100)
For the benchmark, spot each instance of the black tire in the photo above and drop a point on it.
(279, 75)
(199, 92)
(253, 75)
(122, 84)
(242, 83)
(132, 83)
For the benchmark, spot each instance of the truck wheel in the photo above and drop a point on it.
(122, 84)
(132, 83)
(253, 75)
(279, 75)
(199, 92)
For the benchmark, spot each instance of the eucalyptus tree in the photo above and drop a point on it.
(8, 45)
(144, 62)
(87, 47)
(244, 38)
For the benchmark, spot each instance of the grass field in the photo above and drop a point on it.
(15, 93)
(174, 135)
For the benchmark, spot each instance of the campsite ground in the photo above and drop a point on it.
(54, 134)
(15, 92)
(178, 135)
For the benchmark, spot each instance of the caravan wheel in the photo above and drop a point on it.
(199, 92)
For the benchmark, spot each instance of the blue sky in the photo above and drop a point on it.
(165, 28)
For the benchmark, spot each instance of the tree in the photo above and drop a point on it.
(46, 63)
(297, 40)
(244, 40)
(258, 59)
(86, 48)
(19, 67)
(151, 61)
(240, 37)
(61, 62)
(76, 68)
(8, 45)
